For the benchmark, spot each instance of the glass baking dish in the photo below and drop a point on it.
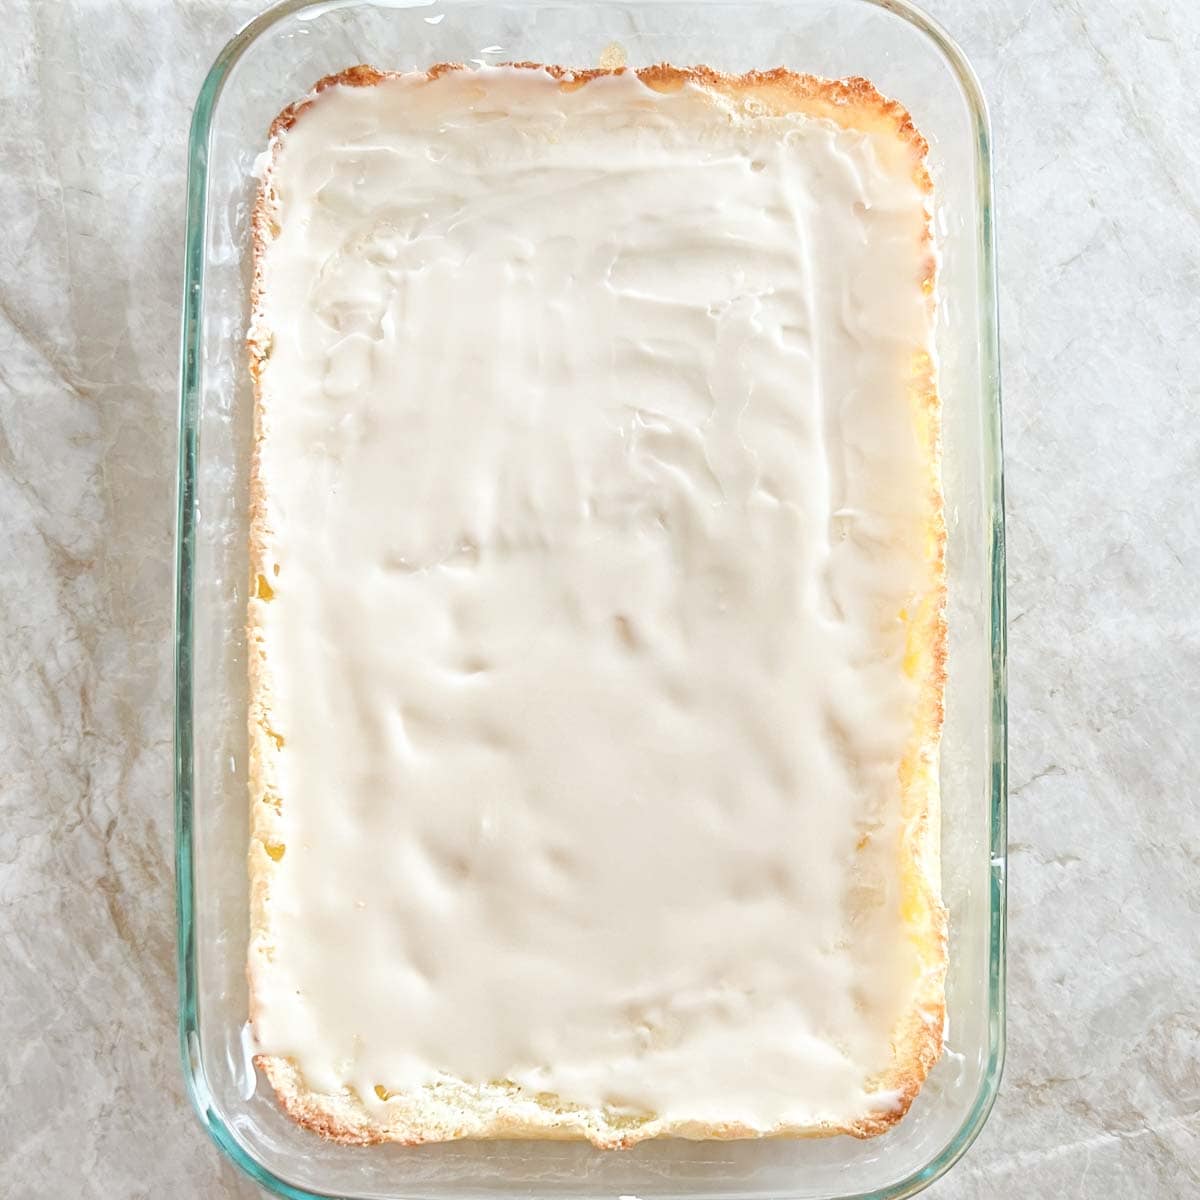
(274, 61)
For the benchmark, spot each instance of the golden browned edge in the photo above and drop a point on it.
(451, 1110)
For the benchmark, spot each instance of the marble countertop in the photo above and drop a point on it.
(1099, 219)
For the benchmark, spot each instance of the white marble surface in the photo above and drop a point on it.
(1099, 216)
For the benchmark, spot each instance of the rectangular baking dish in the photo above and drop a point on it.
(272, 62)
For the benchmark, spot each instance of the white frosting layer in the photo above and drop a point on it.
(595, 493)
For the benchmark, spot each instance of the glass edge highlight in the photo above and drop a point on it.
(197, 177)
(189, 357)
(990, 400)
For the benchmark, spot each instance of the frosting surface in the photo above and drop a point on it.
(593, 502)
